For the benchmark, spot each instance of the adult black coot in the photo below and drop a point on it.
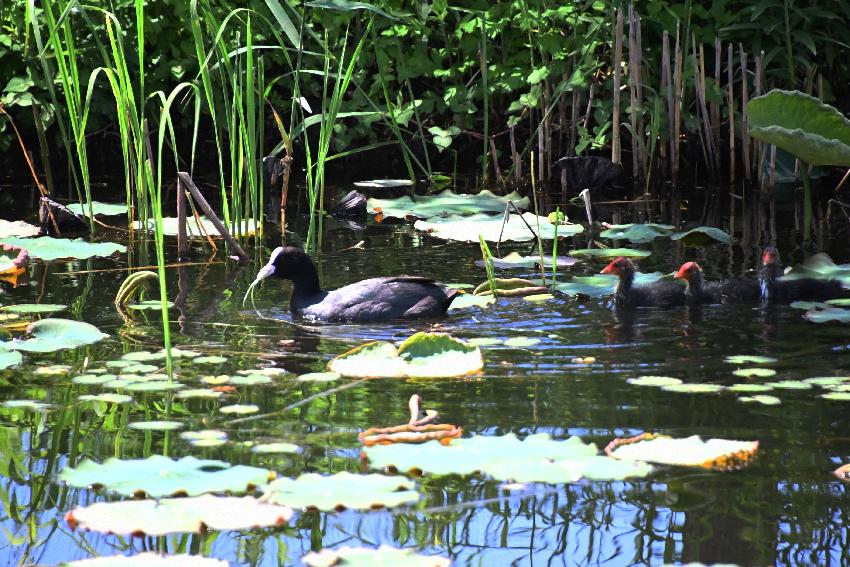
(375, 299)
(727, 291)
(626, 294)
(775, 290)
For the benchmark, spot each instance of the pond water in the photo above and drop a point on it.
(785, 508)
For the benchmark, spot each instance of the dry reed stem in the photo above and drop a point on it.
(615, 118)
(730, 103)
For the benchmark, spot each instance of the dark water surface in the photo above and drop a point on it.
(786, 508)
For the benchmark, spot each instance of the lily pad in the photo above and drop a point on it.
(156, 425)
(517, 261)
(791, 385)
(425, 355)
(754, 372)
(521, 342)
(151, 305)
(749, 388)
(468, 229)
(148, 559)
(444, 204)
(537, 458)
(99, 209)
(366, 557)
(606, 253)
(34, 308)
(539, 297)
(749, 359)
(205, 393)
(837, 396)
(17, 229)
(828, 314)
(801, 124)
(762, 399)
(170, 227)
(319, 377)
(509, 287)
(654, 381)
(93, 379)
(32, 405)
(210, 359)
(175, 515)
(693, 388)
(690, 451)
(250, 380)
(601, 285)
(467, 300)
(9, 359)
(107, 398)
(341, 490)
(159, 476)
(822, 266)
(826, 381)
(239, 409)
(50, 335)
(383, 183)
(48, 248)
(205, 438)
(702, 236)
(271, 448)
(637, 232)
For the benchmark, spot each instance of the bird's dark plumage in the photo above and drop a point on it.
(727, 291)
(374, 299)
(776, 290)
(626, 294)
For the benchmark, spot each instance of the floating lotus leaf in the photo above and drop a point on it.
(266, 371)
(654, 381)
(211, 359)
(366, 557)
(148, 386)
(762, 399)
(690, 451)
(468, 229)
(31, 405)
(239, 409)
(601, 285)
(838, 387)
(837, 396)
(467, 300)
(341, 490)
(275, 448)
(48, 248)
(537, 458)
(801, 124)
(693, 388)
(170, 227)
(250, 380)
(18, 229)
(840, 302)
(826, 381)
(93, 379)
(750, 387)
(606, 253)
(206, 393)
(32, 308)
(820, 265)
(636, 232)
(107, 398)
(99, 209)
(521, 342)
(791, 385)
(148, 559)
(484, 341)
(828, 314)
(139, 369)
(159, 476)
(319, 377)
(427, 355)
(702, 236)
(749, 359)
(156, 425)
(518, 261)
(383, 183)
(53, 370)
(50, 335)
(444, 204)
(754, 372)
(9, 358)
(806, 305)
(151, 305)
(176, 515)
(205, 438)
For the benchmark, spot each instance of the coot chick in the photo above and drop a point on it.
(375, 299)
(775, 290)
(728, 291)
(626, 294)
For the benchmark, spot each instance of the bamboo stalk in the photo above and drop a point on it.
(730, 103)
(705, 143)
(667, 87)
(615, 118)
(745, 133)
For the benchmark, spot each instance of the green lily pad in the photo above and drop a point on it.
(754, 372)
(806, 305)
(424, 355)
(607, 253)
(139, 369)
(93, 379)
(537, 458)
(702, 236)
(48, 248)
(517, 261)
(749, 388)
(829, 314)
(539, 297)
(211, 359)
(763, 399)
(205, 438)
(367, 557)
(280, 447)
(821, 266)
(151, 305)
(467, 300)
(176, 515)
(107, 398)
(159, 476)
(205, 393)
(444, 204)
(341, 490)
(250, 380)
(790, 385)
(156, 425)
(825, 381)
(815, 132)
(17, 229)
(270, 371)
(383, 183)
(143, 356)
(239, 409)
(31, 405)
(654, 381)
(99, 209)
(521, 342)
(34, 308)
(690, 451)
(637, 232)
(53, 370)
(749, 359)
(837, 396)
(694, 388)
(216, 380)
(840, 302)
(9, 359)
(468, 229)
(170, 227)
(148, 559)
(149, 386)
(319, 377)
(50, 335)
(485, 341)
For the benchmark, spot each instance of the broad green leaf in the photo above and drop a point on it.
(746, 387)
(156, 425)
(383, 183)
(279, 447)
(107, 398)
(690, 451)
(754, 372)
(829, 314)
(821, 265)
(837, 396)
(518, 261)
(206, 393)
(239, 409)
(763, 399)
(636, 232)
(368, 557)
(48, 248)
(9, 358)
(205, 438)
(341, 490)
(693, 388)
(176, 515)
(446, 203)
(790, 385)
(815, 132)
(702, 236)
(210, 359)
(150, 305)
(31, 405)
(826, 381)
(607, 253)
(600, 285)
(148, 559)
(159, 476)
(521, 342)
(27, 308)
(49, 335)
(468, 229)
(654, 381)
(468, 300)
(537, 458)
(250, 380)
(319, 377)
(102, 209)
(170, 227)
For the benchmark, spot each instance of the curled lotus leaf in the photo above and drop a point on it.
(689, 451)
(491, 229)
(48, 248)
(148, 559)
(159, 476)
(444, 204)
(178, 515)
(510, 287)
(702, 236)
(49, 335)
(636, 232)
(367, 557)
(340, 491)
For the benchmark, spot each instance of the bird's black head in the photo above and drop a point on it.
(291, 263)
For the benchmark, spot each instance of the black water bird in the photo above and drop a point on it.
(371, 300)
(775, 290)
(627, 294)
(698, 290)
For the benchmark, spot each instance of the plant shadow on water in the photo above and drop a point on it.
(559, 367)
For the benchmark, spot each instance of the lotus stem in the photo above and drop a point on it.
(807, 202)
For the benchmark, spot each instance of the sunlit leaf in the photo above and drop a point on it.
(48, 248)
(746, 387)
(210, 359)
(17, 229)
(239, 409)
(690, 451)
(654, 381)
(467, 300)
(754, 372)
(148, 559)
(170, 227)
(791, 385)
(319, 377)
(49, 335)
(445, 203)
(279, 447)
(367, 557)
(749, 359)
(518, 228)
(341, 490)
(521, 342)
(9, 359)
(156, 425)
(517, 261)
(606, 253)
(383, 183)
(107, 398)
(693, 388)
(636, 232)
(32, 308)
(763, 399)
(100, 209)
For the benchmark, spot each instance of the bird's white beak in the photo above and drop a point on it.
(265, 272)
